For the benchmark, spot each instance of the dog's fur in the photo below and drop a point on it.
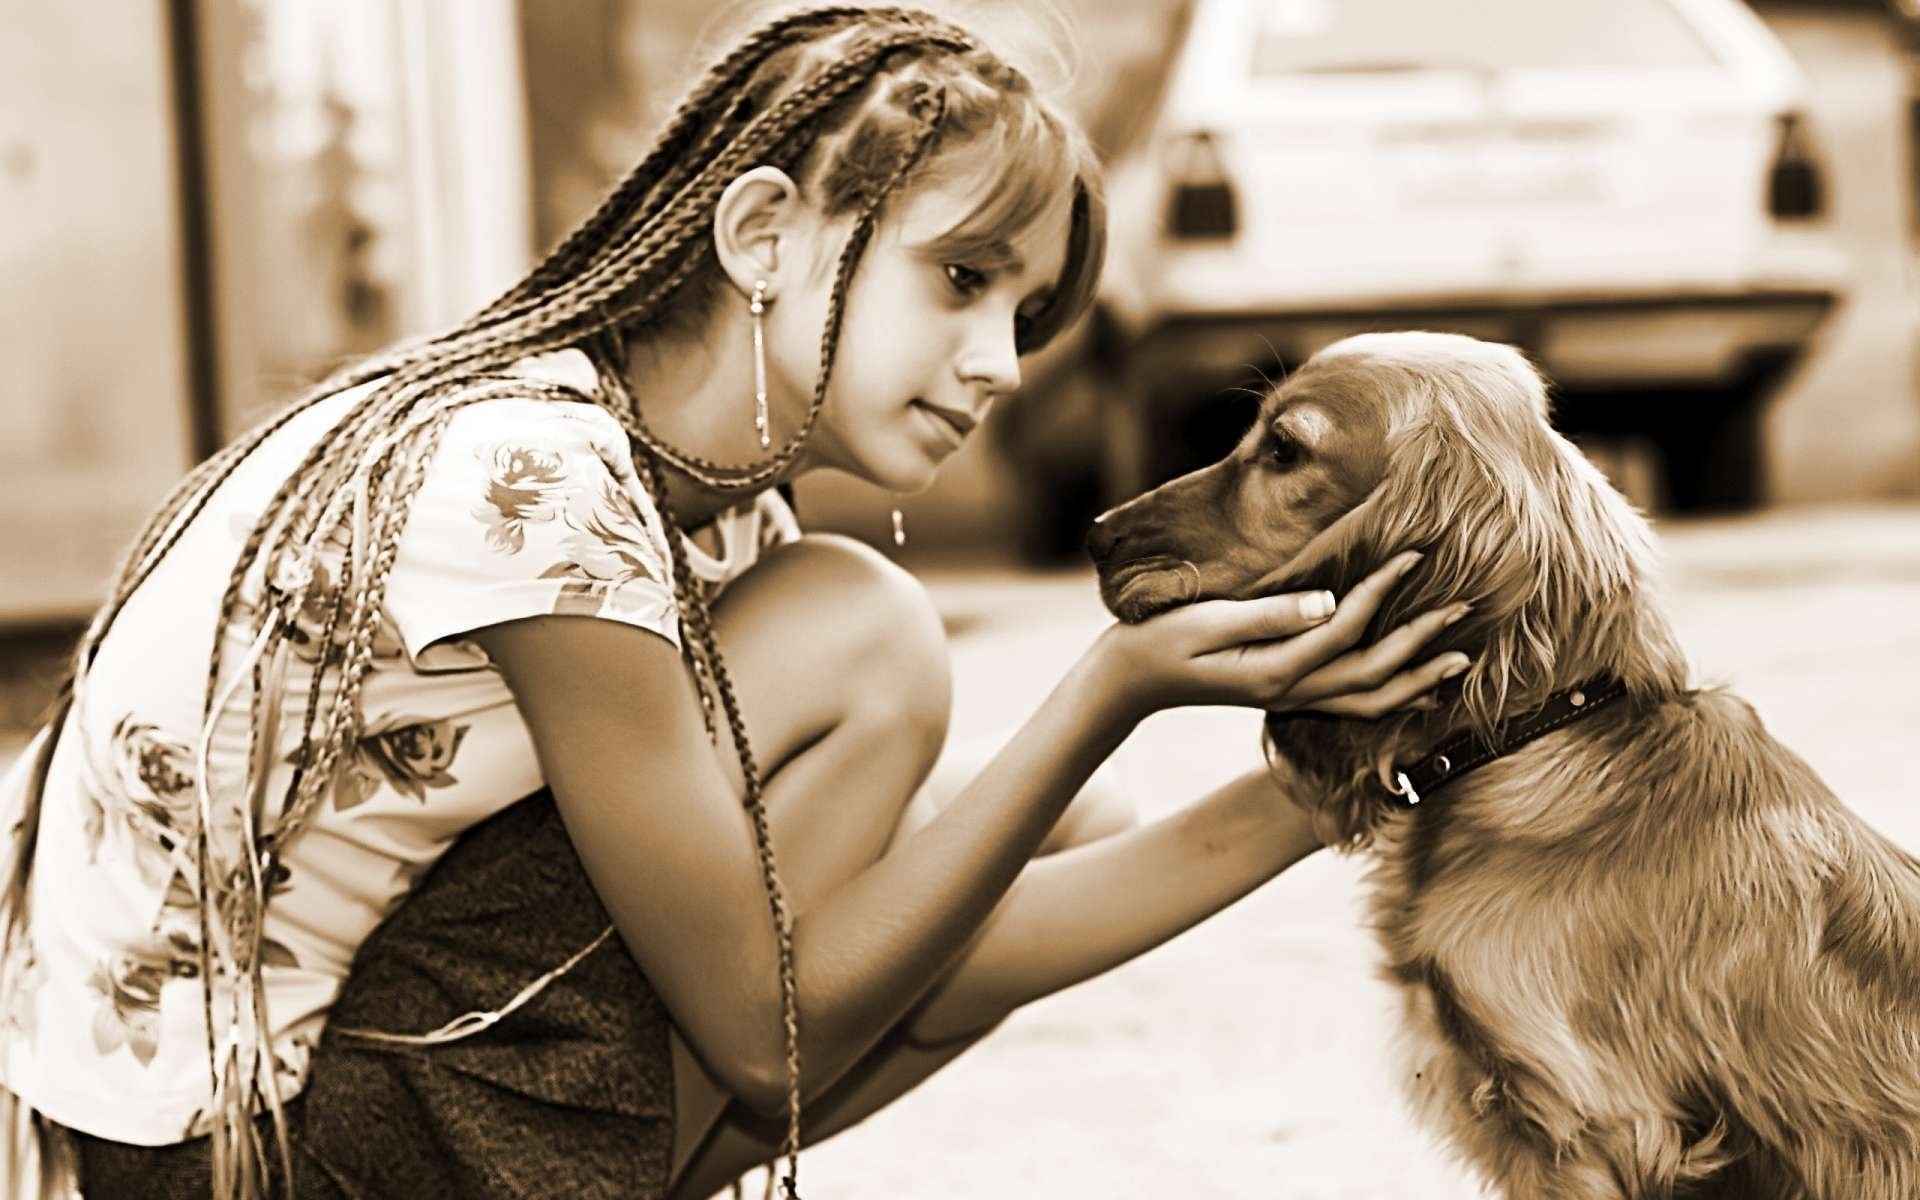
(1647, 955)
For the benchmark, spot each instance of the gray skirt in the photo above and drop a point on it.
(568, 1095)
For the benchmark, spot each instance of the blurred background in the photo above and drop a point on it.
(1699, 217)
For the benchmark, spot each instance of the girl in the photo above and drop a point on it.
(458, 575)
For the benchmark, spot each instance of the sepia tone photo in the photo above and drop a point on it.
(1312, 599)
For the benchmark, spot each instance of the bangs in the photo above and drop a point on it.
(1025, 164)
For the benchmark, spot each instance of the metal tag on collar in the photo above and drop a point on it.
(1405, 790)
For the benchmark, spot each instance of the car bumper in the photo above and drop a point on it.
(1609, 341)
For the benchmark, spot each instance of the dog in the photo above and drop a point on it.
(1646, 954)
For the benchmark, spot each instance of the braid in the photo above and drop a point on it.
(667, 165)
(701, 646)
(702, 649)
(295, 486)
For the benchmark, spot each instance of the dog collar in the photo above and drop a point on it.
(1464, 751)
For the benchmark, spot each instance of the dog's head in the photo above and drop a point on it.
(1408, 441)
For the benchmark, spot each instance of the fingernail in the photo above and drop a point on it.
(1459, 663)
(1409, 561)
(1317, 606)
(1456, 612)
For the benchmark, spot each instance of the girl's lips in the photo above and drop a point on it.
(952, 426)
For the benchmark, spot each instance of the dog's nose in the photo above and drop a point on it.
(1101, 539)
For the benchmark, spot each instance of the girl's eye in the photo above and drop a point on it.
(965, 279)
(1285, 453)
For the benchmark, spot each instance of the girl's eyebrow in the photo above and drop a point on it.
(997, 252)
(992, 252)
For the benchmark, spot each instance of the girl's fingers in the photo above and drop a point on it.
(1270, 617)
(1400, 691)
(1372, 666)
(1357, 607)
(1258, 651)
(1213, 625)
(1225, 624)
(1314, 649)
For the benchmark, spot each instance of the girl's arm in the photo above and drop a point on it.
(662, 834)
(1084, 910)
(661, 831)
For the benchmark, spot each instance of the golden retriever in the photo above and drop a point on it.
(1648, 954)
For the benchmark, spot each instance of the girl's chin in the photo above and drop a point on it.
(901, 474)
(905, 484)
(904, 471)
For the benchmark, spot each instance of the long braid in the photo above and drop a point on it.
(697, 626)
(238, 1155)
(235, 891)
(697, 631)
(297, 490)
(164, 528)
(616, 271)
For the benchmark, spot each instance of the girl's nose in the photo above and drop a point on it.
(992, 364)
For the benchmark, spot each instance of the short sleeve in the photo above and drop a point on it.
(528, 507)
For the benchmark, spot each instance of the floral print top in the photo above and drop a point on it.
(530, 506)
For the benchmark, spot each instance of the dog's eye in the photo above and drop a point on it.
(1284, 453)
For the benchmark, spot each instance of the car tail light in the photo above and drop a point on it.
(1796, 187)
(1203, 203)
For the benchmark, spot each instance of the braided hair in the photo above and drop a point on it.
(859, 102)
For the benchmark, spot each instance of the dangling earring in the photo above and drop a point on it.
(899, 525)
(758, 307)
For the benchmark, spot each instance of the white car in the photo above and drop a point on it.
(1627, 189)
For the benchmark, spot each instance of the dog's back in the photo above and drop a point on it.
(1708, 968)
(1818, 965)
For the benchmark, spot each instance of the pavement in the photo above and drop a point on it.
(1249, 1057)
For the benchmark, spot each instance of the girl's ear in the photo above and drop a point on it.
(755, 228)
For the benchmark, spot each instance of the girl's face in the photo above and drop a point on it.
(927, 340)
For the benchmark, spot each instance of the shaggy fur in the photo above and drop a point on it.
(1647, 955)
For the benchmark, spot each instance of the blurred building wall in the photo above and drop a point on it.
(94, 416)
(204, 207)
(1847, 425)
(367, 176)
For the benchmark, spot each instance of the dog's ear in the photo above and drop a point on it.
(1510, 517)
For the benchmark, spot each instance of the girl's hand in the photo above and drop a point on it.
(1279, 653)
